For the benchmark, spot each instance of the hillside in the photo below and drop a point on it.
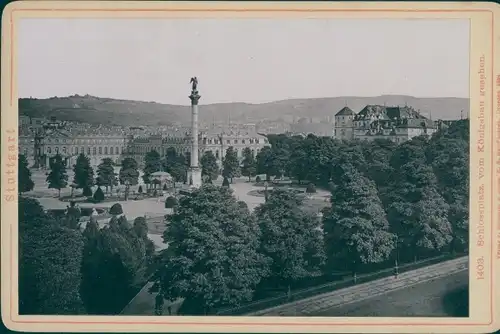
(109, 111)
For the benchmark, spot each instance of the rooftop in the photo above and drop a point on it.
(346, 111)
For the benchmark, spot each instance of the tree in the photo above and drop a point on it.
(24, 176)
(84, 173)
(416, 211)
(106, 175)
(170, 202)
(231, 164)
(129, 172)
(299, 163)
(278, 161)
(290, 237)
(377, 154)
(209, 165)
(176, 165)
(152, 164)
(116, 209)
(213, 259)
(114, 264)
(50, 256)
(356, 230)
(249, 165)
(264, 161)
(448, 154)
(57, 178)
(98, 195)
(87, 191)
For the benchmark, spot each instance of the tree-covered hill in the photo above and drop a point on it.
(108, 111)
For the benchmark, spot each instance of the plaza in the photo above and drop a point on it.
(152, 208)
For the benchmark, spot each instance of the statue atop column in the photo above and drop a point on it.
(194, 84)
(194, 91)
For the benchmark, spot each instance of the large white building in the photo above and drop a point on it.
(217, 141)
(398, 124)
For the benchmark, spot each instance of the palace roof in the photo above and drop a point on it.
(388, 113)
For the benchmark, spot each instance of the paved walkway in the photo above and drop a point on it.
(313, 305)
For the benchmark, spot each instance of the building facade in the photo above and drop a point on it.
(215, 141)
(41, 144)
(398, 124)
(40, 140)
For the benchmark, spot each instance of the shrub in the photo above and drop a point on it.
(139, 190)
(242, 205)
(225, 182)
(87, 191)
(116, 209)
(311, 189)
(98, 195)
(258, 179)
(170, 202)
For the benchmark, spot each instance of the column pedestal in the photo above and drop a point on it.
(194, 177)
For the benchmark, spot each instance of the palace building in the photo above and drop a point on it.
(217, 141)
(41, 144)
(398, 124)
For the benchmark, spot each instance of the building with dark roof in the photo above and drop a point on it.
(398, 124)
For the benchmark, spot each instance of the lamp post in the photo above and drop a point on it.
(396, 269)
(265, 190)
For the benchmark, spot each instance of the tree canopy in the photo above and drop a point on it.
(50, 256)
(83, 172)
(356, 229)
(57, 178)
(249, 165)
(106, 175)
(176, 164)
(209, 165)
(231, 164)
(114, 264)
(213, 252)
(290, 237)
(129, 171)
(152, 164)
(24, 177)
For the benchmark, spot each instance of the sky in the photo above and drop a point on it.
(242, 60)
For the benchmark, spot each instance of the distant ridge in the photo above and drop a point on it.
(108, 111)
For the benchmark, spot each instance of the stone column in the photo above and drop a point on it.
(194, 129)
(194, 172)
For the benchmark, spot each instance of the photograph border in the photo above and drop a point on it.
(483, 17)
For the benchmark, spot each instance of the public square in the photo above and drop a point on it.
(153, 209)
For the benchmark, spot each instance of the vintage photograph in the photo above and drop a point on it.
(294, 167)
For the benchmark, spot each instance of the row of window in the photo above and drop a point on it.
(187, 150)
(101, 150)
(82, 141)
(235, 141)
